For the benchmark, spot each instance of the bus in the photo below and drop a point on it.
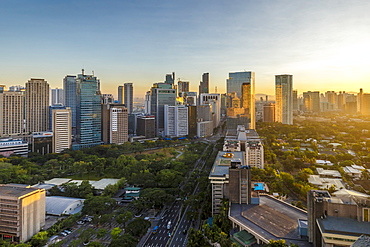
(155, 230)
(169, 225)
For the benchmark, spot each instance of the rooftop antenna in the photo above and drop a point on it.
(215, 89)
(93, 72)
(83, 72)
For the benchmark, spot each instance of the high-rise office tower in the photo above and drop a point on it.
(147, 103)
(204, 84)
(120, 94)
(295, 100)
(182, 87)
(284, 99)
(248, 103)
(114, 123)
(236, 80)
(11, 113)
(129, 97)
(88, 130)
(366, 104)
(213, 99)
(311, 101)
(57, 96)
(70, 97)
(62, 129)
(360, 100)
(175, 120)
(146, 126)
(107, 98)
(161, 94)
(341, 100)
(37, 105)
(170, 78)
(269, 113)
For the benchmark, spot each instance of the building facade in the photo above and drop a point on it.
(70, 97)
(114, 123)
(62, 129)
(22, 212)
(37, 105)
(236, 80)
(182, 87)
(175, 121)
(88, 129)
(284, 99)
(13, 146)
(254, 154)
(129, 97)
(146, 126)
(269, 113)
(11, 113)
(204, 84)
(161, 94)
(121, 95)
(57, 96)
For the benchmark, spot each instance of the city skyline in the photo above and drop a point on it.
(324, 45)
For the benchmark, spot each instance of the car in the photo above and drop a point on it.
(80, 222)
(67, 231)
(185, 231)
(63, 234)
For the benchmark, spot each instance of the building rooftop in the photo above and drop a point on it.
(221, 165)
(58, 181)
(363, 241)
(272, 219)
(15, 190)
(343, 225)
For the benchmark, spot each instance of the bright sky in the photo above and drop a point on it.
(325, 45)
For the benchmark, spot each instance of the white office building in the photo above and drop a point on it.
(175, 121)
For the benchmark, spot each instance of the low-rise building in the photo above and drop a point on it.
(13, 146)
(22, 212)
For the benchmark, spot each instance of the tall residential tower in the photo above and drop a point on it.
(284, 99)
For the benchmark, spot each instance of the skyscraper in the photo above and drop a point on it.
(175, 121)
(204, 84)
(11, 113)
(311, 101)
(129, 97)
(62, 129)
(161, 94)
(57, 96)
(147, 103)
(107, 98)
(213, 99)
(170, 78)
(236, 80)
(88, 131)
(70, 97)
(37, 105)
(182, 87)
(284, 98)
(114, 123)
(248, 103)
(269, 113)
(120, 94)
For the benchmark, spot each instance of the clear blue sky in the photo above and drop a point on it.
(324, 44)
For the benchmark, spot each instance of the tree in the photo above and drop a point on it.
(97, 205)
(39, 239)
(101, 232)
(138, 227)
(124, 217)
(87, 234)
(95, 244)
(125, 240)
(115, 232)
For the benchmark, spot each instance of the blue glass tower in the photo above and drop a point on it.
(88, 112)
(70, 97)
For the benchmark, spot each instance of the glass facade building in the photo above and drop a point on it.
(88, 119)
(70, 96)
(284, 99)
(236, 80)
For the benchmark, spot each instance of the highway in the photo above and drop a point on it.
(161, 237)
